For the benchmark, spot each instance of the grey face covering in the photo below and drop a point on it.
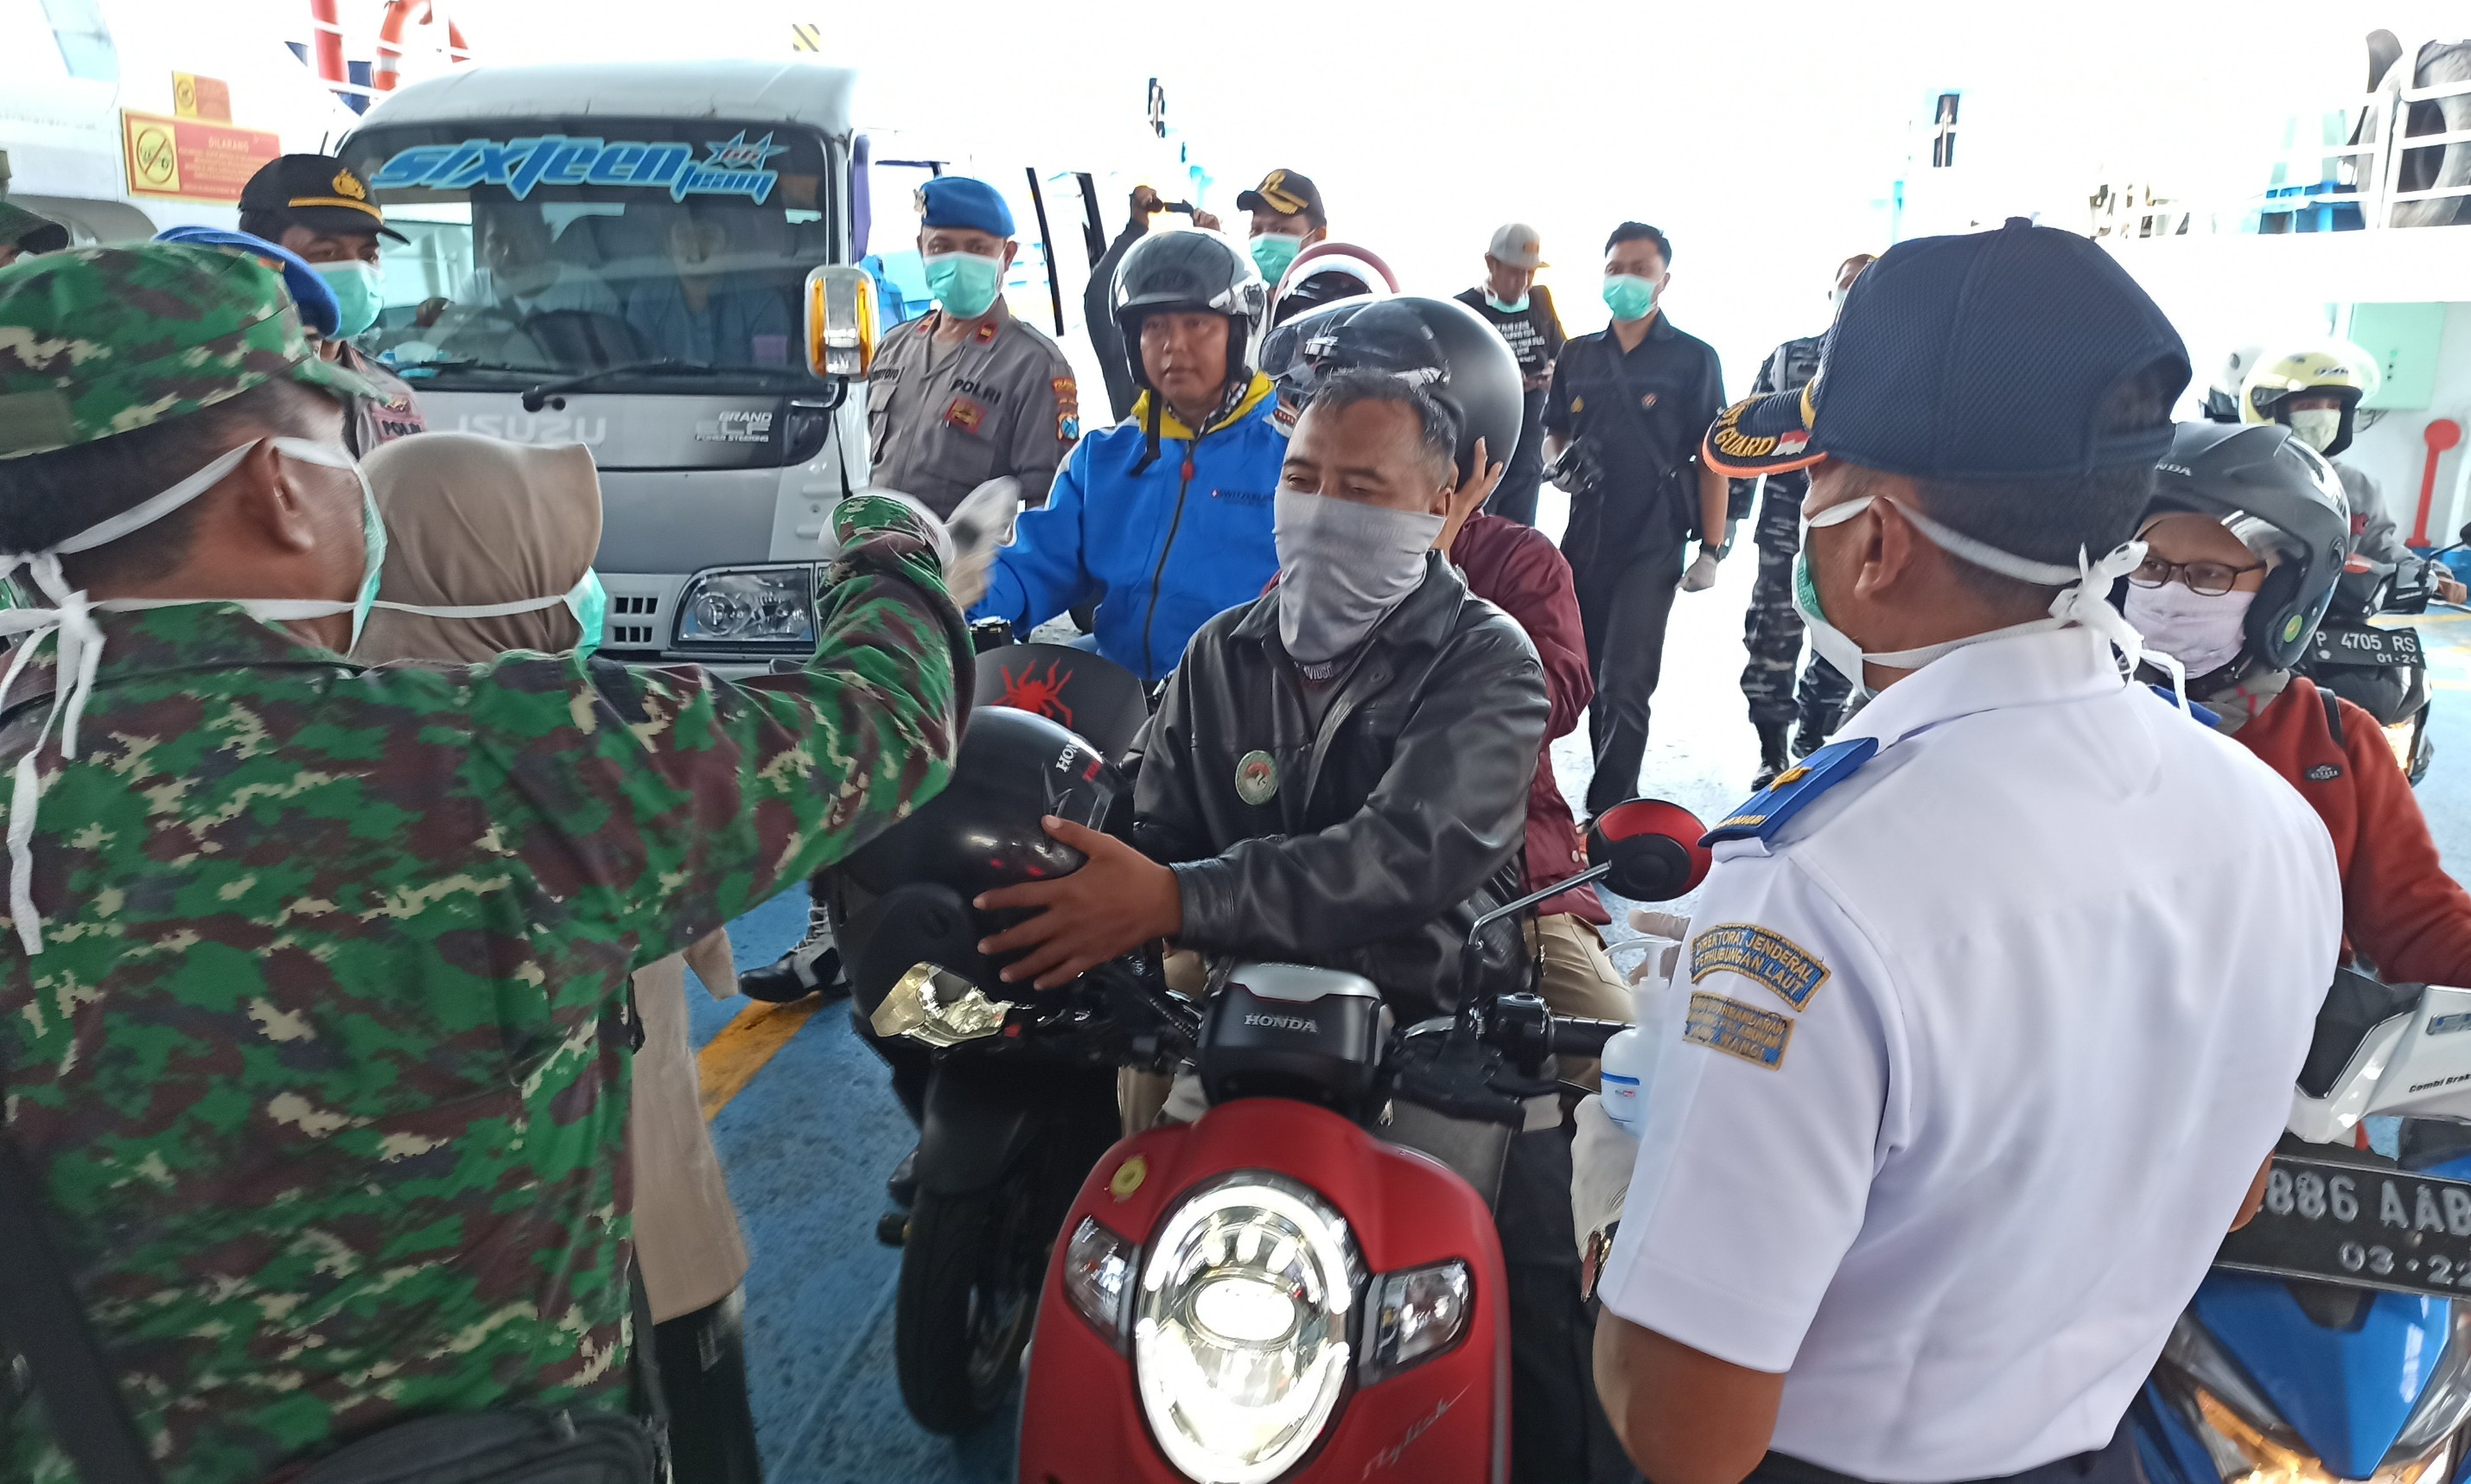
(1342, 568)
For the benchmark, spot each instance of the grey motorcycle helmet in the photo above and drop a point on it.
(2283, 500)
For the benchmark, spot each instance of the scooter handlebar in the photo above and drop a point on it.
(1577, 1036)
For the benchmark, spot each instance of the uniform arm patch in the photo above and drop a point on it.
(1759, 954)
(1745, 1030)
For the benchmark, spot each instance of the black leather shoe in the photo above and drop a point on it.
(903, 1187)
(812, 968)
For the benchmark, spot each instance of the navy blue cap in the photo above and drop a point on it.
(1988, 356)
(319, 312)
(958, 200)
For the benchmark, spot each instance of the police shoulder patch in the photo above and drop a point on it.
(1760, 816)
(1745, 1030)
(1761, 956)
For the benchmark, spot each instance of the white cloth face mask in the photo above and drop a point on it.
(2317, 427)
(2202, 631)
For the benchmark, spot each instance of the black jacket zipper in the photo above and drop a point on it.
(1158, 575)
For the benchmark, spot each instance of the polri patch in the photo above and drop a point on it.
(964, 414)
(1761, 956)
(1257, 777)
(1745, 1030)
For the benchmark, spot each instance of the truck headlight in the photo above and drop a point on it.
(1241, 1331)
(749, 608)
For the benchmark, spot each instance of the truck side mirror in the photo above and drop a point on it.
(841, 321)
(1650, 849)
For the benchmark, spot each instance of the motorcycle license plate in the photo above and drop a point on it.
(2364, 1226)
(2382, 646)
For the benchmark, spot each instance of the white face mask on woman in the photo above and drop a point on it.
(2203, 631)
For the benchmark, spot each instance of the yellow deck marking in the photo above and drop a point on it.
(731, 1059)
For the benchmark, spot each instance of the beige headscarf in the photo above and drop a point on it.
(472, 521)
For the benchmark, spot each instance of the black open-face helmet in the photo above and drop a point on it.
(1440, 345)
(1193, 271)
(2284, 501)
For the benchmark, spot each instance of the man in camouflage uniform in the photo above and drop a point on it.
(1771, 630)
(316, 1047)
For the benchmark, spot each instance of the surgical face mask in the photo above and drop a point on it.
(1273, 252)
(2083, 597)
(587, 599)
(1836, 301)
(1629, 296)
(356, 294)
(1342, 567)
(2203, 632)
(2317, 426)
(69, 619)
(964, 283)
(1502, 306)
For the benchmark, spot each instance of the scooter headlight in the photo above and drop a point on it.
(1240, 1327)
(2250, 1444)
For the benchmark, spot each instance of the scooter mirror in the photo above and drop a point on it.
(1650, 849)
(2462, 537)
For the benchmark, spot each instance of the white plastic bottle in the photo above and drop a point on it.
(1629, 1057)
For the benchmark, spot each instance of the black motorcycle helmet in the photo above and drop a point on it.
(2280, 497)
(1194, 272)
(1189, 270)
(906, 896)
(1440, 345)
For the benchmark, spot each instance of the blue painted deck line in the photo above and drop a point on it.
(809, 1141)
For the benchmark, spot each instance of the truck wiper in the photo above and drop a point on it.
(465, 363)
(538, 396)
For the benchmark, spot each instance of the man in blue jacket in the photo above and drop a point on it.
(1163, 521)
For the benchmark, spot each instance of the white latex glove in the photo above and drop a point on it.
(980, 523)
(1602, 1156)
(1671, 930)
(1702, 574)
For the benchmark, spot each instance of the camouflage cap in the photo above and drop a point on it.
(97, 340)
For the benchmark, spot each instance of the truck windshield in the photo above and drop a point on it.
(553, 248)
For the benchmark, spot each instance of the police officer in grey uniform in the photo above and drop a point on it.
(959, 397)
(968, 393)
(1770, 630)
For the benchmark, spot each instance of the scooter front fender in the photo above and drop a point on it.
(1446, 1421)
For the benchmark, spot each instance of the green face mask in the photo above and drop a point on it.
(1629, 296)
(1273, 252)
(964, 283)
(356, 294)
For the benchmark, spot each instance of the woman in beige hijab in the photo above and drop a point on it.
(477, 524)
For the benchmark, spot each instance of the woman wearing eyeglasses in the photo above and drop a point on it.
(2245, 537)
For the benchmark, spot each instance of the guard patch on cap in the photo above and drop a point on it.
(1761, 956)
(1745, 1030)
(1764, 434)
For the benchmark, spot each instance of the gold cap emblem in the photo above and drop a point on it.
(349, 184)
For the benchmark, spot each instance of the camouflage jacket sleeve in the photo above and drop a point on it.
(663, 802)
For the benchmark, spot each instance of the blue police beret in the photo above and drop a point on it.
(320, 314)
(958, 200)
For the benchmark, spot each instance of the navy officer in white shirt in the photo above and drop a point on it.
(1990, 1011)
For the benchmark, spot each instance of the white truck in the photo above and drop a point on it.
(659, 260)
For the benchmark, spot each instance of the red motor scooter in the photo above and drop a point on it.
(1306, 1285)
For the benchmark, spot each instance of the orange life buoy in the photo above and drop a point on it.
(400, 13)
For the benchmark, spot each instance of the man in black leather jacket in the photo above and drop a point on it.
(1338, 775)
